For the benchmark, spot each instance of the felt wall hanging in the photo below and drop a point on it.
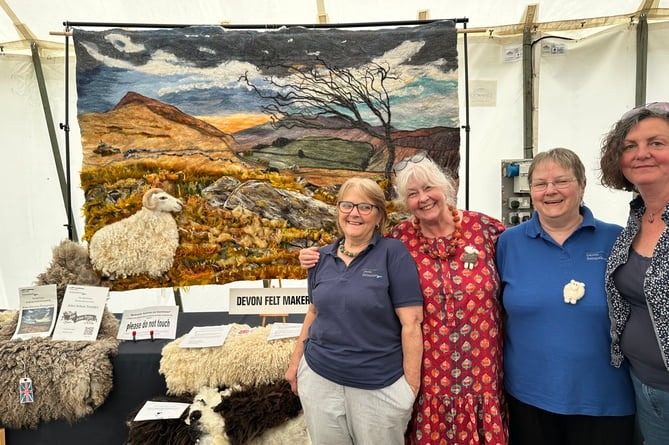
(254, 131)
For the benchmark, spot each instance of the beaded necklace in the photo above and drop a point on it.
(346, 252)
(430, 247)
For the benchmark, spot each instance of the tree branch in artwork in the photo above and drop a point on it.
(350, 98)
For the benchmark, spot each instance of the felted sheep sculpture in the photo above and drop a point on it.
(143, 243)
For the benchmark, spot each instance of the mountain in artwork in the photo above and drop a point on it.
(139, 127)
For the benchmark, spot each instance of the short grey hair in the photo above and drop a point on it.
(427, 172)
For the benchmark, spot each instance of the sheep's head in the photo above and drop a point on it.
(161, 201)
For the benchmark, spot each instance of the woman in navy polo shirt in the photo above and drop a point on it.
(461, 399)
(356, 365)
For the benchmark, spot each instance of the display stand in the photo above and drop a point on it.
(266, 284)
(264, 319)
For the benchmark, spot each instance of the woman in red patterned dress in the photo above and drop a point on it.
(461, 400)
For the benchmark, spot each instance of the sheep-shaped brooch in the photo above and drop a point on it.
(573, 291)
(143, 243)
(470, 257)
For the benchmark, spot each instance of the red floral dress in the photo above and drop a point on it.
(461, 399)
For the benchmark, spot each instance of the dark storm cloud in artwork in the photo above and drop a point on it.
(197, 69)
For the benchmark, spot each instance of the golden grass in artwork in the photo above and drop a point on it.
(216, 245)
(142, 143)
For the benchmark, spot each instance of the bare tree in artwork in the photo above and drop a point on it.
(349, 97)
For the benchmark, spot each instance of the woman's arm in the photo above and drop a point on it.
(411, 318)
(291, 373)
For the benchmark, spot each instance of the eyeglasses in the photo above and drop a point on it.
(560, 184)
(654, 107)
(364, 208)
(415, 159)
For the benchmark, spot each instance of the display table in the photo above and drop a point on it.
(136, 380)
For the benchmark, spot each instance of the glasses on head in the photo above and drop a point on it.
(413, 159)
(655, 107)
(364, 208)
(542, 186)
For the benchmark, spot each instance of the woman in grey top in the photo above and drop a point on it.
(635, 157)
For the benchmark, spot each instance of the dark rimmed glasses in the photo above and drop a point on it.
(655, 107)
(364, 208)
(413, 159)
(560, 184)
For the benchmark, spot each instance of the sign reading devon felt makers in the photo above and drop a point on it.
(281, 300)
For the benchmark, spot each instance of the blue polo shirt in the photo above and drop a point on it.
(355, 339)
(556, 354)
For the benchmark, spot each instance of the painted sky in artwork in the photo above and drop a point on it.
(198, 69)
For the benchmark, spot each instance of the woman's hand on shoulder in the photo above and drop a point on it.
(309, 257)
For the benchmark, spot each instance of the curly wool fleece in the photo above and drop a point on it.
(70, 378)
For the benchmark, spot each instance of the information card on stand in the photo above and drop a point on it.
(37, 314)
(81, 313)
(284, 330)
(160, 410)
(149, 322)
(206, 336)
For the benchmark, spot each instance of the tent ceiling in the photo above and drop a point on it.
(26, 21)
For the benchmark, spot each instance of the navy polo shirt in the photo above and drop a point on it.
(355, 339)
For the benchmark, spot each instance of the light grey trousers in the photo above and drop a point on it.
(342, 415)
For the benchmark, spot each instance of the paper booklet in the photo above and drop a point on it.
(37, 312)
(81, 313)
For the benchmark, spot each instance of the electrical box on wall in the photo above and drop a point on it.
(516, 201)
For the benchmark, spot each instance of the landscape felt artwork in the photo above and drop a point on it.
(254, 130)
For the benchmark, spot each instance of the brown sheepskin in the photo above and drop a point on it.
(70, 378)
(160, 432)
(246, 358)
(69, 265)
(209, 427)
(250, 411)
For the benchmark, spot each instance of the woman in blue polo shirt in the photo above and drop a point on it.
(562, 388)
(356, 365)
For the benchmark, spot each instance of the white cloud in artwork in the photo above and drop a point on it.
(204, 49)
(401, 53)
(399, 61)
(92, 50)
(123, 43)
